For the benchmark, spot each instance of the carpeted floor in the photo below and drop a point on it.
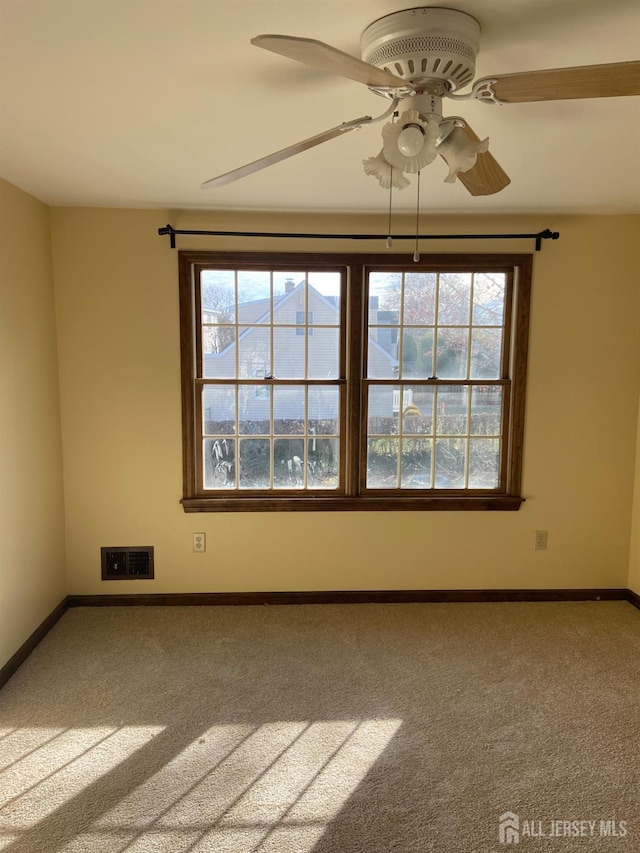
(326, 728)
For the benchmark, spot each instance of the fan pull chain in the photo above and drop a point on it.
(389, 240)
(416, 254)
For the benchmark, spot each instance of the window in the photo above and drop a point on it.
(353, 381)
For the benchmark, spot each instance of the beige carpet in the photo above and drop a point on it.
(332, 729)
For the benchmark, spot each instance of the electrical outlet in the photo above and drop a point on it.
(199, 542)
(540, 543)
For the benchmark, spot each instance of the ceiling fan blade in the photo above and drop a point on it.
(284, 153)
(557, 84)
(327, 58)
(487, 176)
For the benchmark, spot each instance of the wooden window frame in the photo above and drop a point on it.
(353, 497)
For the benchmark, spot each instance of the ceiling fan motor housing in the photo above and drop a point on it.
(424, 44)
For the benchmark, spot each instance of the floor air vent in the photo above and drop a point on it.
(121, 564)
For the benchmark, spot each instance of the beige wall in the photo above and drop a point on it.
(634, 558)
(32, 558)
(117, 303)
(118, 346)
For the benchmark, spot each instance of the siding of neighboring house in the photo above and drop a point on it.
(251, 312)
(291, 346)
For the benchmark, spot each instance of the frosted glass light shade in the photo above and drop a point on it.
(460, 152)
(386, 175)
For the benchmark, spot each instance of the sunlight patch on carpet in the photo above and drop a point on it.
(56, 765)
(17, 744)
(246, 789)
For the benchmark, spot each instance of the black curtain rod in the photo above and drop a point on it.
(547, 234)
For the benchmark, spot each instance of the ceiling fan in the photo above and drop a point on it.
(416, 58)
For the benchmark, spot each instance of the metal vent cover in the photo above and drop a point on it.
(424, 43)
(127, 563)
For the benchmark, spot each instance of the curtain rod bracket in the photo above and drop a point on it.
(171, 232)
(547, 234)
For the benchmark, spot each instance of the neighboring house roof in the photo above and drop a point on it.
(392, 360)
(264, 319)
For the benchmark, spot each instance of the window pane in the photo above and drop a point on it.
(450, 463)
(451, 355)
(488, 299)
(255, 463)
(385, 298)
(384, 407)
(217, 338)
(254, 296)
(289, 296)
(324, 354)
(417, 410)
(417, 353)
(419, 301)
(288, 463)
(416, 463)
(454, 292)
(288, 410)
(484, 463)
(218, 296)
(385, 290)
(382, 358)
(289, 354)
(218, 456)
(323, 464)
(382, 463)
(324, 297)
(486, 352)
(254, 351)
(451, 410)
(324, 404)
(486, 410)
(218, 352)
(255, 410)
(219, 409)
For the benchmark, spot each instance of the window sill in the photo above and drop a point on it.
(452, 503)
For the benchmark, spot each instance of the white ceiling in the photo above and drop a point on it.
(133, 103)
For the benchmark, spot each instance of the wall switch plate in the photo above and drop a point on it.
(199, 542)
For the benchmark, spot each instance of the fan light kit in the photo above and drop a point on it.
(417, 58)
